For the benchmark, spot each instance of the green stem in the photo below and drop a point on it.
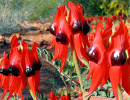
(78, 73)
(64, 82)
(119, 92)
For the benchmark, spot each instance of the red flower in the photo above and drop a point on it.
(80, 28)
(76, 28)
(61, 35)
(31, 67)
(14, 41)
(65, 97)
(111, 61)
(98, 62)
(92, 26)
(114, 17)
(13, 70)
(119, 66)
(52, 96)
(4, 78)
(100, 18)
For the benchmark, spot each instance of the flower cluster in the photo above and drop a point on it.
(21, 67)
(67, 28)
(104, 49)
(109, 58)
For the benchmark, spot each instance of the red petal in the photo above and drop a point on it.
(4, 62)
(108, 30)
(98, 42)
(25, 46)
(92, 66)
(51, 94)
(14, 41)
(5, 85)
(15, 57)
(19, 92)
(80, 8)
(115, 73)
(57, 50)
(125, 36)
(79, 46)
(106, 70)
(97, 77)
(34, 50)
(76, 13)
(31, 83)
(125, 80)
(85, 40)
(14, 85)
(61, 13)
(29, 58)
(91, 37)
(37, 81)
(63, 57)
(99, 28)
(120, 38)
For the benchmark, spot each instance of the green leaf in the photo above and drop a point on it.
(45, 52)
(95, 93)
(111, 95)
(105, 86)
(51, 55)
(74, 74)
(39, 52)
(103, 94)
(11, 98)
(86, 86)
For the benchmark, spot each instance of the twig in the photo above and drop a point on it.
(62, 73)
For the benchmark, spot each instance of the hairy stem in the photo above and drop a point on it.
(78, 73)
(119, 92)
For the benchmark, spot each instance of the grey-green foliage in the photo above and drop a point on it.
(42, 9)
(13, 12)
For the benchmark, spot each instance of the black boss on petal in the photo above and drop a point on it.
(60, 37)
(77, 26)
(37, 65)
(13, 70)
(118, 58)
(52, 30)
(86, 28)
(93, 55)
(4, 71)
(30, 71)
